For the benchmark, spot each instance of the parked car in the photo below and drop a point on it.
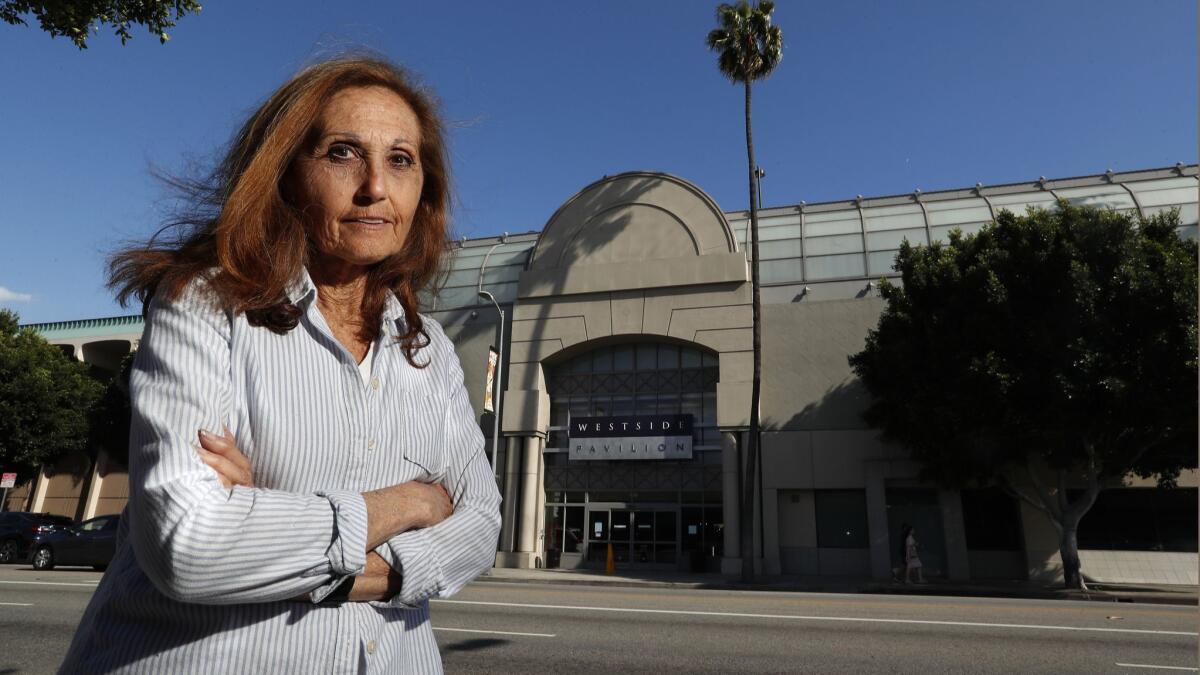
(92, 542)
(18, 528)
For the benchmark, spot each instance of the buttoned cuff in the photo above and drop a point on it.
(416, 560)
(347, 553)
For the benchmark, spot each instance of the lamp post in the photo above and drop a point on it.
(759, 174)
(499, 373)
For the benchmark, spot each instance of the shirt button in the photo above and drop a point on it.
(375, 383)
(371, 444)
(370, 646)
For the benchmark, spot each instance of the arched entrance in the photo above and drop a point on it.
(655, 513)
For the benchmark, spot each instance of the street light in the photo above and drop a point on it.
(759, 174)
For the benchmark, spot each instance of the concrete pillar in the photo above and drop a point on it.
(731, 563)
(771, 563)
(540, 510)
(95, 486)
(512, 479)
(877, 521)
(42, 484)
(755, 555)
(530, 486)
(958, 565)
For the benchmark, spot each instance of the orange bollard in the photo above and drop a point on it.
(610, 566)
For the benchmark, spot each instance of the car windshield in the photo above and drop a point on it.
(94, 524)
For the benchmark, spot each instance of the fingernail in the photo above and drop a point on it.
(205, 434)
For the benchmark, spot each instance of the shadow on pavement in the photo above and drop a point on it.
(473, 645)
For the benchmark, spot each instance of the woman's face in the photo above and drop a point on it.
(359, 179)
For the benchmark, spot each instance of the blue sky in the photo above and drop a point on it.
(871, 98)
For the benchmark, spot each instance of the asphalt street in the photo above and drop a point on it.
(548, 628)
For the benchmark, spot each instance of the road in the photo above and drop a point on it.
(522, 628)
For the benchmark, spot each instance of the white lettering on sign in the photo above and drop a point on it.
(636, 447)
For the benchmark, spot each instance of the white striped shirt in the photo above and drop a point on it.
(204, 577)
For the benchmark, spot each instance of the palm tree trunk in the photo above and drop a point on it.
(753, 450)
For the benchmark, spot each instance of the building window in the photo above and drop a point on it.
(841, 518)
(992, 519)
(636, 379)
(1141, 519)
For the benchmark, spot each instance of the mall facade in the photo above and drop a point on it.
(626, 376)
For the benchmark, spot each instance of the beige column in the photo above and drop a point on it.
(530, 486)
(771, 562)
(877, 522)
(95, 486)
(42, 483)
(540, 509)
(731, 504)
(512, 480)
(958, 564)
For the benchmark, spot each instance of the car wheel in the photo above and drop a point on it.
(8, 551)
(43, 558)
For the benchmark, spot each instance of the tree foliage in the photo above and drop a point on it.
(45, 398)
(1059, 342)
(77, 19)
(748, 45)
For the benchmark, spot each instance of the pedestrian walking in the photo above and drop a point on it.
(912, 561)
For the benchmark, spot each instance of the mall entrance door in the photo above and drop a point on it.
(641, 537)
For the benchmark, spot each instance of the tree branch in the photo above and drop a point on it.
(1013, 491)
(1044, 495)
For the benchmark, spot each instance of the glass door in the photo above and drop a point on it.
(620, 534)
(597, 536)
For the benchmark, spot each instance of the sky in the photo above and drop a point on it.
(543, 98)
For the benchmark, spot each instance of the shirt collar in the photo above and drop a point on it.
(302, 292)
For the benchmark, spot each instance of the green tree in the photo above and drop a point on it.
(77, 19)
(749, 49)
(45, 398)
(1052, 354)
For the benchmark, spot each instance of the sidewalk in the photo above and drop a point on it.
(1172, 595)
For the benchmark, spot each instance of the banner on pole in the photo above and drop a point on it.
(493, 361)
(8, 480)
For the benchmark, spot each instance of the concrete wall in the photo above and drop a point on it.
(64, 485)
(809, 384)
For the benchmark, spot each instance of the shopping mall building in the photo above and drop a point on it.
(625, 382)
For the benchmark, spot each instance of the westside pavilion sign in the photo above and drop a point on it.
(631, 437)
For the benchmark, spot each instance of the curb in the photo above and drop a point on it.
(1143, 597)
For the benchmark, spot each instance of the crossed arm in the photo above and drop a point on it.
(390, 511)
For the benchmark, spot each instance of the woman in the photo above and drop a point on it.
(912, 561)
(350, 485)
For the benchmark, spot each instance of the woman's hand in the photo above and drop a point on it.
(222, 454)
(404, 507)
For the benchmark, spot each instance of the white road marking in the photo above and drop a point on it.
(88, 584)
(17, 604)
(795, 617)
(493, 632)
(1144, 665)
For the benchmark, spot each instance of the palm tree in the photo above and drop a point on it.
(750, 48)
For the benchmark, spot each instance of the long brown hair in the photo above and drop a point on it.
(241, 223)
